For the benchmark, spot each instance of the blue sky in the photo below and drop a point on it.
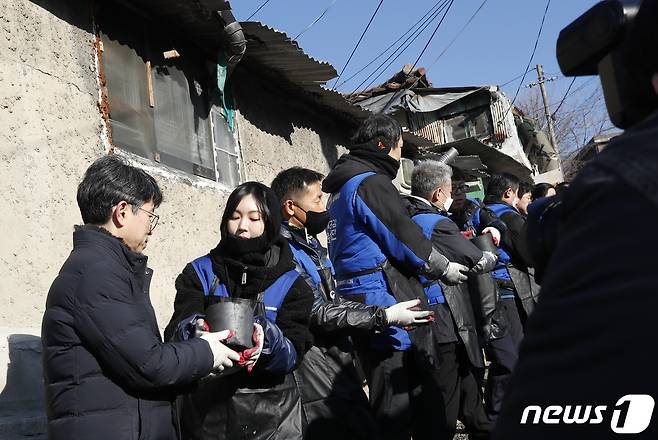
(493, 49)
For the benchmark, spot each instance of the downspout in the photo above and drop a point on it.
(235, 46)
(236, 43)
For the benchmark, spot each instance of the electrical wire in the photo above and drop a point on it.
(358, 42)
(432, 36)
(382, 53)
(397, 93)
(532, 55)
(459, 33)
(564, 97)
(515, 78)
(259, 8)
(577, 89)
(382, 67)
(315, 21)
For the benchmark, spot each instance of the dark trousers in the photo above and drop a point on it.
(403, 397)
(503, 354)
(461, 394)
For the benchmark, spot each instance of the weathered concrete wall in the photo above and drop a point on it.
(277, 131)
(50, 131)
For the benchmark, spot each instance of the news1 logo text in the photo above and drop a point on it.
(630, 415)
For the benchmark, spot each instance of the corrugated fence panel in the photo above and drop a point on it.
(427, 125)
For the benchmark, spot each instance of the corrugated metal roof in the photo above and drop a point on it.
(187, 18)
(276, 50)
(267, 48)
(495, 160)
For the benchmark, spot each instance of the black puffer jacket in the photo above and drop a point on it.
(107, 373)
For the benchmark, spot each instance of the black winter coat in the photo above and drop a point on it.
(592, 338)
(108, 375)
(333, 400)
(514, 241)
(260, 404)
(448, 240)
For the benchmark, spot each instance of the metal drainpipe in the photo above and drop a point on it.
(236, 43)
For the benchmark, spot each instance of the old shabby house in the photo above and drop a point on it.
(158, 83)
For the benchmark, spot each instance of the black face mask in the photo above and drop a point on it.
(239, 248)
(316, 222)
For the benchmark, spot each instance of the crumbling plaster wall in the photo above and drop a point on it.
(49, 133)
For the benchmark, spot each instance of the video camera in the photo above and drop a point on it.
(616, 40)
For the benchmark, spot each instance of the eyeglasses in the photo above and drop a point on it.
(153, 219)
(459, 188)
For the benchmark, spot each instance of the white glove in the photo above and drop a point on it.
(250, 355)
(201, 327)
(495, 234)
(223, 356)
(401, 315)
(454, 274)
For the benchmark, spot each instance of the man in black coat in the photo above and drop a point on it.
(107, 373)
(455, 326)
(515, 279)
(377, 253)
(335, 405)
(590, 344)
(516, 297)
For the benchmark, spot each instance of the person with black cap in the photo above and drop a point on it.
(377, 252)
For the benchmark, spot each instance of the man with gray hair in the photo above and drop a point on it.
(454, 328)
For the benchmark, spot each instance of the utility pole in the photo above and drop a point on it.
(547, 111)
(541, 81)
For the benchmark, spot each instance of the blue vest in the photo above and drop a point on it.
(308, 264)
(350, 247)
(500, 271)
(353, 250)
(273, 296)
(474, 220)
(433, 289)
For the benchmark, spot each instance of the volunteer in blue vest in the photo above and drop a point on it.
(252, 258)
(511, 272)
(377, 252)
(515, 295)
(463, 208)
(335, 405)
(455, 328)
